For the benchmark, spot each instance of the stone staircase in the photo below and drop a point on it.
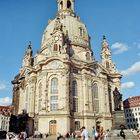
(48, 138)
(115, 135)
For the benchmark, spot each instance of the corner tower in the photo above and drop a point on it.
(106, 54)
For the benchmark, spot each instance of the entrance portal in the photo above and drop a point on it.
(52, 127)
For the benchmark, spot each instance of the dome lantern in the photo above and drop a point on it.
(66, 7)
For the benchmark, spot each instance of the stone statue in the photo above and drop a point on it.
(117, 99)
(58, 25)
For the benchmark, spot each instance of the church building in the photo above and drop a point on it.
(62, 87)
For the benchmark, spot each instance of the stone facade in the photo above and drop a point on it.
(63, 87)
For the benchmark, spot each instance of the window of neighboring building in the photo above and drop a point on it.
(95, 98)
(77, 125)
(131, 126)
(134, 126)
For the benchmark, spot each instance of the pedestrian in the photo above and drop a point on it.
(67, 136)
(102, 133)
(122, 134)
(138, 134)
(93, 133)
(84, 133)
(73, 135)
(106, 134)
(58, 135)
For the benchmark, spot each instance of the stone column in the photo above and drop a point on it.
(32, 96)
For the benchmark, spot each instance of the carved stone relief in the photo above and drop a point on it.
(55, 65)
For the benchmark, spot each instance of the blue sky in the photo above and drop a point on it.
(22, 21)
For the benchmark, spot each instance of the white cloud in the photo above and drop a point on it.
(119, 47)
(2, 86)
(128, 85)
(138, 45)
(135, 68)
(5, 101)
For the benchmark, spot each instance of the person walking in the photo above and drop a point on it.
(106, 134)
(93, 133)
(102, 133)
(84, 133)
(122, 134)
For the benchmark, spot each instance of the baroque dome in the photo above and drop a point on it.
(71, 26)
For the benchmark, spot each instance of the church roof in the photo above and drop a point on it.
(5, 110)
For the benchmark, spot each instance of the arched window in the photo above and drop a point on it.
(40, 96)
(77, 125)
(61, 5)
(68, 4)
(54, 86)
(55, 47)
(107, 65)
(80, 31)
(87, 56)
(74, 88)
(95, 90)
(95, 98)
(54, 98)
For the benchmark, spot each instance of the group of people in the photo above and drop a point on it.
(136, 133)
(13, 136)
(99, 134)
(95, 134)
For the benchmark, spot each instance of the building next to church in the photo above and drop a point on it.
(5, 112)
(132, 112)
(62, 86)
